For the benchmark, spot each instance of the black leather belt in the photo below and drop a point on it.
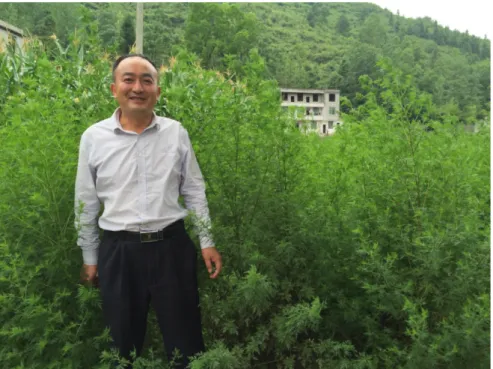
(146, 237)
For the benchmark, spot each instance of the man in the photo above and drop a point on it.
(137, 165)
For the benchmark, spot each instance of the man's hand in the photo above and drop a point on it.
(88, 274)
(212, 256)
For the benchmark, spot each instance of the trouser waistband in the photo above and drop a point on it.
(145, 237)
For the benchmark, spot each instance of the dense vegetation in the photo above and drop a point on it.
(368, 249)
(309, 45)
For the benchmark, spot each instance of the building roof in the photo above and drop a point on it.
(309, 90)
(10, 28)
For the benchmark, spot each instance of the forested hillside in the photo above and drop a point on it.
(309, 45)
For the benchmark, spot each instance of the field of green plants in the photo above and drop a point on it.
(365, 250)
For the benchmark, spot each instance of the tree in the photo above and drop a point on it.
(482, 71)
(127, 35)
(365, 9)
(397, 24)
(292, 67)
(317, 14)
(438, 34)
(163, 29)
(215, 30)
(343, 25)
(484, 48)
(374, 30)
(107, 31)
(67, 19)
(360, 59)
(295, 55)
(45, 24)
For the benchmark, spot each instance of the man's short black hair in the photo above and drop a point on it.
(123, 57)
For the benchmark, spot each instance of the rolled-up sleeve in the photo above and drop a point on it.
(192, 188)
(87, 204)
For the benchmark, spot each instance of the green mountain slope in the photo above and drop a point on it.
(308, 45)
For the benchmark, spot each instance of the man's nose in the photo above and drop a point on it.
(137, 87)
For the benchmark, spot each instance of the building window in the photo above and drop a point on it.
(300, 97)
(332, 111)
(324, 129)
(285, 96)
(308, 111)
(331, 124)
(332, 97)
(316, 111)
(308, 99)
(315, 98)
(292, 98)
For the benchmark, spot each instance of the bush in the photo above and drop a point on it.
(368, 249)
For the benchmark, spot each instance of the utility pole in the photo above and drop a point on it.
(139, 29)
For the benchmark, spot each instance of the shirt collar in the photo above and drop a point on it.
(117, 126)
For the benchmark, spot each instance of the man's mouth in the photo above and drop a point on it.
(137, 98)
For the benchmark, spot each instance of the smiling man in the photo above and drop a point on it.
(137, 164)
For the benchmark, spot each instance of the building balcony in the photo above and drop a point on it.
(303, 104)
(313, 117)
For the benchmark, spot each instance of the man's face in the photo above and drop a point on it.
(136, 88)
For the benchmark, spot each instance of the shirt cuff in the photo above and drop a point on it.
(206, 242)
(90, 257)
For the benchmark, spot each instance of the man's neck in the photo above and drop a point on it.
(135, 123)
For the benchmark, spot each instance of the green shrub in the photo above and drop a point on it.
(368, 249)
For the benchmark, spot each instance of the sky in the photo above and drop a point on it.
(475, 16)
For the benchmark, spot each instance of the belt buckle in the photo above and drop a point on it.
(151, 236)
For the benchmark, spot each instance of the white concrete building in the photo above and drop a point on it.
(321, 108)
(7, 30)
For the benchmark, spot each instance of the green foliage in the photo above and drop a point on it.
(304, 45)
(368, 249)
(127, 35)
(343, 25)
(47, 106)
(45, 24)
(163, 29)
(374, 30)
(216, 30)
(107, 30)
(317, 14)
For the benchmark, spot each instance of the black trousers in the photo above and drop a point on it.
(135, 275)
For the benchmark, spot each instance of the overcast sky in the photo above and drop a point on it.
(475, 16)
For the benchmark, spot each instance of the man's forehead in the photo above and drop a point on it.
(133, 63)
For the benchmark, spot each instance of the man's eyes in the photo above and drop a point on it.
(131, 80)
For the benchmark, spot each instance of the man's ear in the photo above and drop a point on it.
(158, 91)
(112, 87)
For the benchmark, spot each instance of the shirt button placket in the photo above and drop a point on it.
(142, 184)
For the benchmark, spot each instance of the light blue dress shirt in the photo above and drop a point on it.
(138, 178)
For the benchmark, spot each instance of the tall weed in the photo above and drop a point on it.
(368, 249)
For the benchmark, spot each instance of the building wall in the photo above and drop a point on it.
(321, 115)
(8, 30)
